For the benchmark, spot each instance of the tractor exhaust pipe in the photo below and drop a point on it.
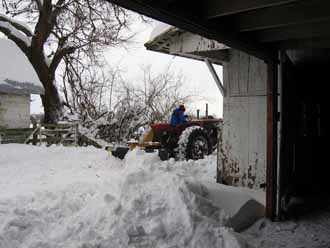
(207, 111)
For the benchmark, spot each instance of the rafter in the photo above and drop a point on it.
(213, 9)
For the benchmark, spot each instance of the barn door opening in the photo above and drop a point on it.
(304, 166)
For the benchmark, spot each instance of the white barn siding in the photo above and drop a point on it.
(245, 115)
(14, 111)
(187, 43)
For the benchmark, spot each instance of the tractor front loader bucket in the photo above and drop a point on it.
(118, 152)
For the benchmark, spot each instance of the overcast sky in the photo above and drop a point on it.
(199, 80)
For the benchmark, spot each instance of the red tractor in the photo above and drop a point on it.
(192, 140)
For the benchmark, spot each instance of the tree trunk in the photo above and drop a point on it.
(51, 102)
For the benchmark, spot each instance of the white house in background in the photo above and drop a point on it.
(18, 81)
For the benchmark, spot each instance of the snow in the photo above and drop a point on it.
(15, 66)
(85, 198)
(18, 34)
(22, 23)
(311, 231)
(160, 29)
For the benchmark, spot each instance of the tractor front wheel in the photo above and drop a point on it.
(194, 143)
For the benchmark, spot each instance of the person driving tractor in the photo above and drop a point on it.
(178, 116)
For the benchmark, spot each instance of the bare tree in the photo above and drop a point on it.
(88, 90)
(74, 31)
(160, 93)
(140, 104)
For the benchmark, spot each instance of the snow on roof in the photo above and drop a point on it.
(17, 75)
(160, 38)
(160, 29)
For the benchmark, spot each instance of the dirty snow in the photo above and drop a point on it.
(85, 198)
(311, 231)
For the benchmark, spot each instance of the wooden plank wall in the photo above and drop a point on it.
(245, 115)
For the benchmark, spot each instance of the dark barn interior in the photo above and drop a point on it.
(305, 125)
(293, 35)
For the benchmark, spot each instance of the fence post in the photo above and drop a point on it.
(35, 135)
(76, 134)
(40, 134)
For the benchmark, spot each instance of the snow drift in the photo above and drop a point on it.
(83, 197)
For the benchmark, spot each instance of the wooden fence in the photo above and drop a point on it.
(65, 134)
(17, 135)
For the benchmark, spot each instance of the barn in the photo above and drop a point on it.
(243, 153)
(275, 57)
(18, 81)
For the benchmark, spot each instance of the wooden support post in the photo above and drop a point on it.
(215, 77)
(220, 156)
(271, 174)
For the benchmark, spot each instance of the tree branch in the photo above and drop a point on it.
(59, 55)
(39, 4)
(22, 41)
(16, 24)
(43, 29)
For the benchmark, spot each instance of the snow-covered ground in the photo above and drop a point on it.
(85, 198)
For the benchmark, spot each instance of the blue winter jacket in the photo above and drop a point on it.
(177, 117)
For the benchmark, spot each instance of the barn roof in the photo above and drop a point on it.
(171, 40)
(17, 75)
(258, 27)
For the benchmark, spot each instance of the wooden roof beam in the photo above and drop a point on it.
(214, 9)
(278, 16)
(303, 31)
(218, 55)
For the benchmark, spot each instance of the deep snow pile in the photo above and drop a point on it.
(83, 197)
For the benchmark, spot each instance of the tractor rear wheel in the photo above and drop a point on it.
(194, 143)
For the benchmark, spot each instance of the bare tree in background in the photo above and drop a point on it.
(74, 31)
(159, 93)
(88, 91)
(140, 103)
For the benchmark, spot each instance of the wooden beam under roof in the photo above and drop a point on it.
(218, 55)
(277, 16)
(214, 9)
(310, 43)
(298, 32)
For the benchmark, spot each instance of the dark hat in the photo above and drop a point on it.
(181, 107)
